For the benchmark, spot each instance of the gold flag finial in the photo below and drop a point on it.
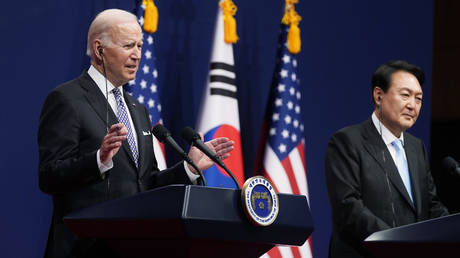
(229, 9)
(150, 16)
(292, 18)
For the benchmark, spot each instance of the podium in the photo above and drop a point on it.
(438, 237)
(190, 221)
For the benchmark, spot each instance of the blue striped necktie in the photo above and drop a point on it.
(401, 164)
(123, 118)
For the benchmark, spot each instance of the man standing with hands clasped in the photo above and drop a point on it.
(91, 151)
(377, 174)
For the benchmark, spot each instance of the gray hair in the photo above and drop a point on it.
(101, 25)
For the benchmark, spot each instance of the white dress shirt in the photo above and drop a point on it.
(388, 137)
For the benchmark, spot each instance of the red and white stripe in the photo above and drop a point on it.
(160, 154)
(288, 176)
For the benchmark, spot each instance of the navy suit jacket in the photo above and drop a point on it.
(365, 189)
(71, 129)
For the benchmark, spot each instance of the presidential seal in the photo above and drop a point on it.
(260, 201)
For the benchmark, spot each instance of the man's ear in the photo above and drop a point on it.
(378, 95)
(98, 49)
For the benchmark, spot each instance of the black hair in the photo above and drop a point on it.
(382, 76)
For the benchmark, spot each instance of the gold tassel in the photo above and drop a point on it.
(229, 9)
(150, 16)
(292, 18)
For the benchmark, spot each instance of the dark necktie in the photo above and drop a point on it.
(123, 118)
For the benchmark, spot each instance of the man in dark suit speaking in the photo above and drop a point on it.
(95, 142)
(378, 175)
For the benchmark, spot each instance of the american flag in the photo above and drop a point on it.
(145, 86)
(281, 156)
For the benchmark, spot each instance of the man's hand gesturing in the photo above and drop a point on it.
(112, 142)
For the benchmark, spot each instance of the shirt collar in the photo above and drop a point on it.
(99, 79)
(387, 136)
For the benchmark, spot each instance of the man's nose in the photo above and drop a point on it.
(136, 54)
(411, 102)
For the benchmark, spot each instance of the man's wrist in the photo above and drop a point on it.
(192, 176)
(103, 167)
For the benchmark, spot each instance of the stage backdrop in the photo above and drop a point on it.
(43, 44)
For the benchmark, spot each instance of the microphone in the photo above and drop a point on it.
(193, 138)
(451, 165)
(164, 136)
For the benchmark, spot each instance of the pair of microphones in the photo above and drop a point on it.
(194, 139)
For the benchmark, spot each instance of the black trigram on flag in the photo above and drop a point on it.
(222, 80)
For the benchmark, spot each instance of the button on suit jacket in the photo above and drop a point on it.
(71, 129)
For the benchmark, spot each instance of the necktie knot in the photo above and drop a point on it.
(397, 144)
(117, 94)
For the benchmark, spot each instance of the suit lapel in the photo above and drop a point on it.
(377, 148)
(98, 101)
(411, 155)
